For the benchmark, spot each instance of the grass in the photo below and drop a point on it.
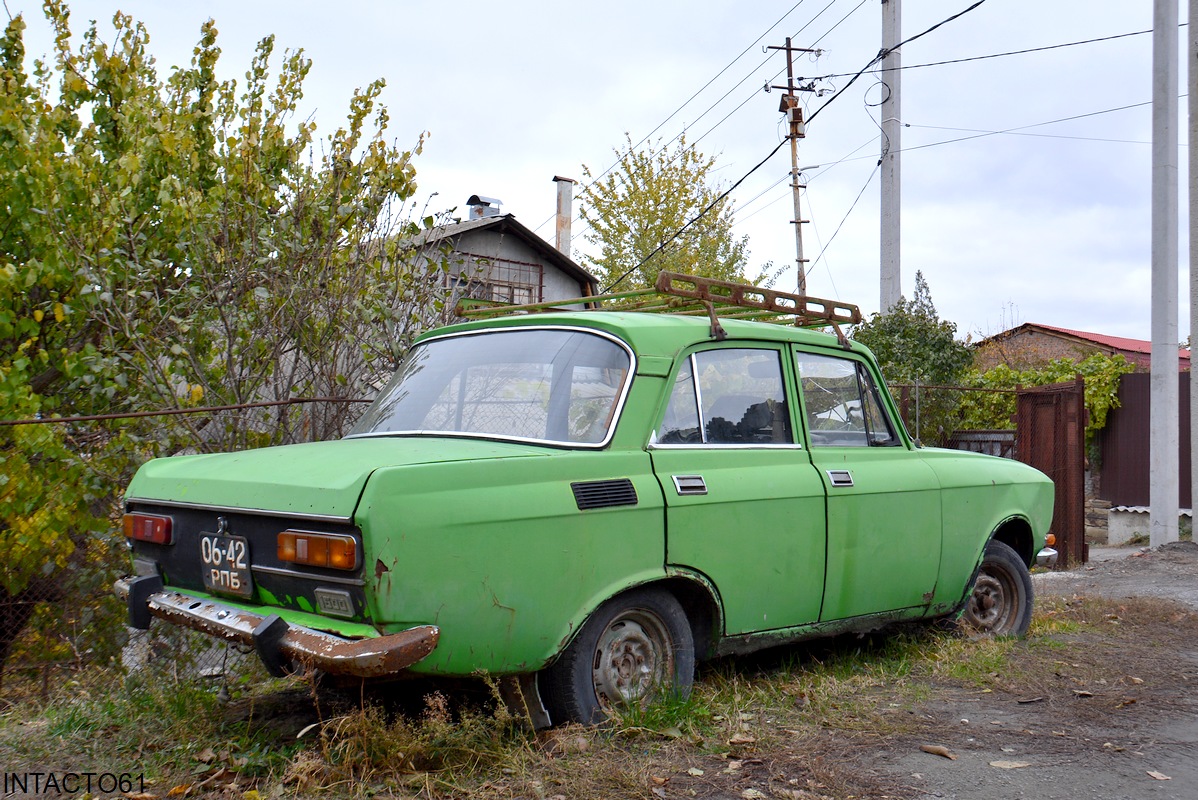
(769, 721)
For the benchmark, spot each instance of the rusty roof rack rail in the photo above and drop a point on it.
(690, 294)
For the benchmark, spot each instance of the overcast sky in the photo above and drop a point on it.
(1046, 224)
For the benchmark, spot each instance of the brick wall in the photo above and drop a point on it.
(1032, 348)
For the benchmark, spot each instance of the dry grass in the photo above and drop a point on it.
(800, 722)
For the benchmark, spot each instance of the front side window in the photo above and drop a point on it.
(559, 386)
(842, 403)
(732, 396)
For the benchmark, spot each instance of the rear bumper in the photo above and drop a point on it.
(276, 640)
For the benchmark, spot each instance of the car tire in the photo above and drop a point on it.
(635, 648)
(1000, 600)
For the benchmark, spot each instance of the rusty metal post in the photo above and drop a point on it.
(565, 213)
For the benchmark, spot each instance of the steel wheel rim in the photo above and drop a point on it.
(632, 659)
(991, 607)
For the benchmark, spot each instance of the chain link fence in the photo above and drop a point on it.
(937, 415)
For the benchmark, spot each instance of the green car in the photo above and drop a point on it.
(589, 502)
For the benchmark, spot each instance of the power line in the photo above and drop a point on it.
(1033, 125)
(696, 218)
(868, 181)
(886, 51)
(723, 97)
(991, 55)
(824, 169)
(1014, 133)
(688, 101)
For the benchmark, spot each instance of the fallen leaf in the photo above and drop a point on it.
(252, 794)
(1030, 700)
(751, 794)
(1082, 693)
(938, 750)
(1133, 679)
(206, 756)
(1127, 701)
(742, 738)
(657, 780)
(694, 771)
(660, 792)
(1010, 764)
(179, 791)
(1159, 776)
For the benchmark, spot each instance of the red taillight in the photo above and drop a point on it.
(318, 549)
(148, 528)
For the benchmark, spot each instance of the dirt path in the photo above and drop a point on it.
(1117, 722)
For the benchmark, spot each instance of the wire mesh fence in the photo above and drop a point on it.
(937, 415)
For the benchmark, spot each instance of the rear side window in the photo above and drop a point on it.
(842, 403)
(728, 397)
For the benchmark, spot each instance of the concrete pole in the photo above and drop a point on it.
(1192, 81)
(891, 283)
(1163, 444)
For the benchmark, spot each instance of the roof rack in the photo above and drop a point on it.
(677, 293)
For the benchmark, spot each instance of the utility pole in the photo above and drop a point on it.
(794, 115)
(891, 271)
(1192, 79)
(1163, 406)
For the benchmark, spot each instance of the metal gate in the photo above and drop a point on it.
(1050, 424)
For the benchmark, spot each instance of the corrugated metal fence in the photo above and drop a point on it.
(1125, 440)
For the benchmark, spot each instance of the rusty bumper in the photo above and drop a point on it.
(276, 640)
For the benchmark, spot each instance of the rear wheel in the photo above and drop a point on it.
(1000, 602)
(634, 649)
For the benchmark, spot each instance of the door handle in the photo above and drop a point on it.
(689, 484)
(840, 477)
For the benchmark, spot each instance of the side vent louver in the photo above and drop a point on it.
(604, 494)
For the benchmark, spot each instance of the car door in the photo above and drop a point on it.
(884, 512)
(744, 506)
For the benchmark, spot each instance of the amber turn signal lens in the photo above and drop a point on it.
(318, 549)
(148, 528)
(1050, 540)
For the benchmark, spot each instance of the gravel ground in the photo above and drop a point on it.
(1101, 744)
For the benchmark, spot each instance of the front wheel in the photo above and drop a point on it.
(1000, 602)
(634, 649)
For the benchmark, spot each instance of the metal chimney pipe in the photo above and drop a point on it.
(565, 213)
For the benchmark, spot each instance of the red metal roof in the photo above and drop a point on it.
(1127, 346)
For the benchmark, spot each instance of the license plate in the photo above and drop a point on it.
(225, 562)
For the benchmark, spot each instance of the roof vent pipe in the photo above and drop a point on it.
(484, 206)
(565, 213)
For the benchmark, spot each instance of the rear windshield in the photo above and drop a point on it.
(548, 385)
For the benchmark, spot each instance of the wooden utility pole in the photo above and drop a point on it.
(891, 270)
(794, 116)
